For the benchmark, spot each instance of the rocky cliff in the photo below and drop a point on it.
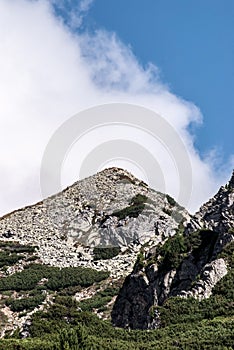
(189, 264)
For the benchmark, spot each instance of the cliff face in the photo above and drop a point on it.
(188, 264)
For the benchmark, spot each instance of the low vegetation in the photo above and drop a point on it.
(172, 253)
(9, 259)
(99, 300)
(68, 324)
(56, 278)
(64, 327)
(180, 246)
(15, 247)
(12, 252)
(28, 303)
(136, 206)
(170, 200)
(103, 253)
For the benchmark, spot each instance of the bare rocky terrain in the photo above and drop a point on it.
(150, 248)
(97, 211)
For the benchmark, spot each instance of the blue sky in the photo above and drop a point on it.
(60, 57)
(192, 43)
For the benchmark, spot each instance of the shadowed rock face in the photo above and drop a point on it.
(231, 182)
(186, 265)
(134, 301)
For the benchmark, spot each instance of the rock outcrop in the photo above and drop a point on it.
(186, 265)
(210, 276)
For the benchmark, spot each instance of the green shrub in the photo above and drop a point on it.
(11, 252)
(99, 300)
(57, 278)
(103, 253)
(74, 276)
(171, 252)
(137, 205)
(109, 291)
(16, 247)
(140, 261)
(8, 259)
(177, 248)
(25, 303)
(96, 302)
(170, 200)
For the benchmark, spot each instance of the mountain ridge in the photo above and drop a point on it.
(110, 208)
(149, 256)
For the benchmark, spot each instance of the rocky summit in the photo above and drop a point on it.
(111, 208)
(110, 252)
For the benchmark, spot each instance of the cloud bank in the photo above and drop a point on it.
(49, 73)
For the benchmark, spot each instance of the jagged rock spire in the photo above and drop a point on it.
(231, 182)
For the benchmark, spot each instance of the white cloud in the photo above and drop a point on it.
(85, 5)
(74, 10)
(48, 74)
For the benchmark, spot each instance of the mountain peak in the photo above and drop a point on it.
(110, 208)
(114, 170)
(218, 212)
(116, 224)
(117, 174)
